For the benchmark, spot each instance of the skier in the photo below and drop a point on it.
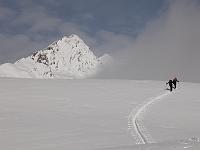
(170, 84)
(174, 82)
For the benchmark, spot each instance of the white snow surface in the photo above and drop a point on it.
(68, 58)
(98, 115)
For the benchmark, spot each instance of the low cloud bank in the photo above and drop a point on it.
(168, 47)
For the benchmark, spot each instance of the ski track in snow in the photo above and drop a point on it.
(135, 120)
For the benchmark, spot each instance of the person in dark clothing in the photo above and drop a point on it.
(170, 84)
(174, 82)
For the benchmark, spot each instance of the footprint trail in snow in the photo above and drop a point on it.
(135, 120)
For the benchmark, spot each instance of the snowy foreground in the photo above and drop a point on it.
(98, 115)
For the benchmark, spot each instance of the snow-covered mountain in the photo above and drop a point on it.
(68, 57)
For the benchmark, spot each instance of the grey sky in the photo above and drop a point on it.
(148, 39)
(168, 47)
(27, 25)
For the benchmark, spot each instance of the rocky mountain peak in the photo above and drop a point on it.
(68, 57)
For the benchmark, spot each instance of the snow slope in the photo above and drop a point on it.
(96, 114)
(135, 119)
(68, 57)
(177, 116)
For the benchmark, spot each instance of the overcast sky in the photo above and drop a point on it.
(148, 39)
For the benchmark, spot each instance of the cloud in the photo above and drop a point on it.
(87, 16)
(47, 20)
(84, 17)
(168, 47)
(26, 32)
(36, 19)
(33, 28)
(46, 25)
(18, 46)
(111, 43)
(6, 13)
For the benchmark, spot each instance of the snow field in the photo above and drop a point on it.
(93, 114)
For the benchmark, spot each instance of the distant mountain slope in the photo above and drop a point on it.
(68, 57)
